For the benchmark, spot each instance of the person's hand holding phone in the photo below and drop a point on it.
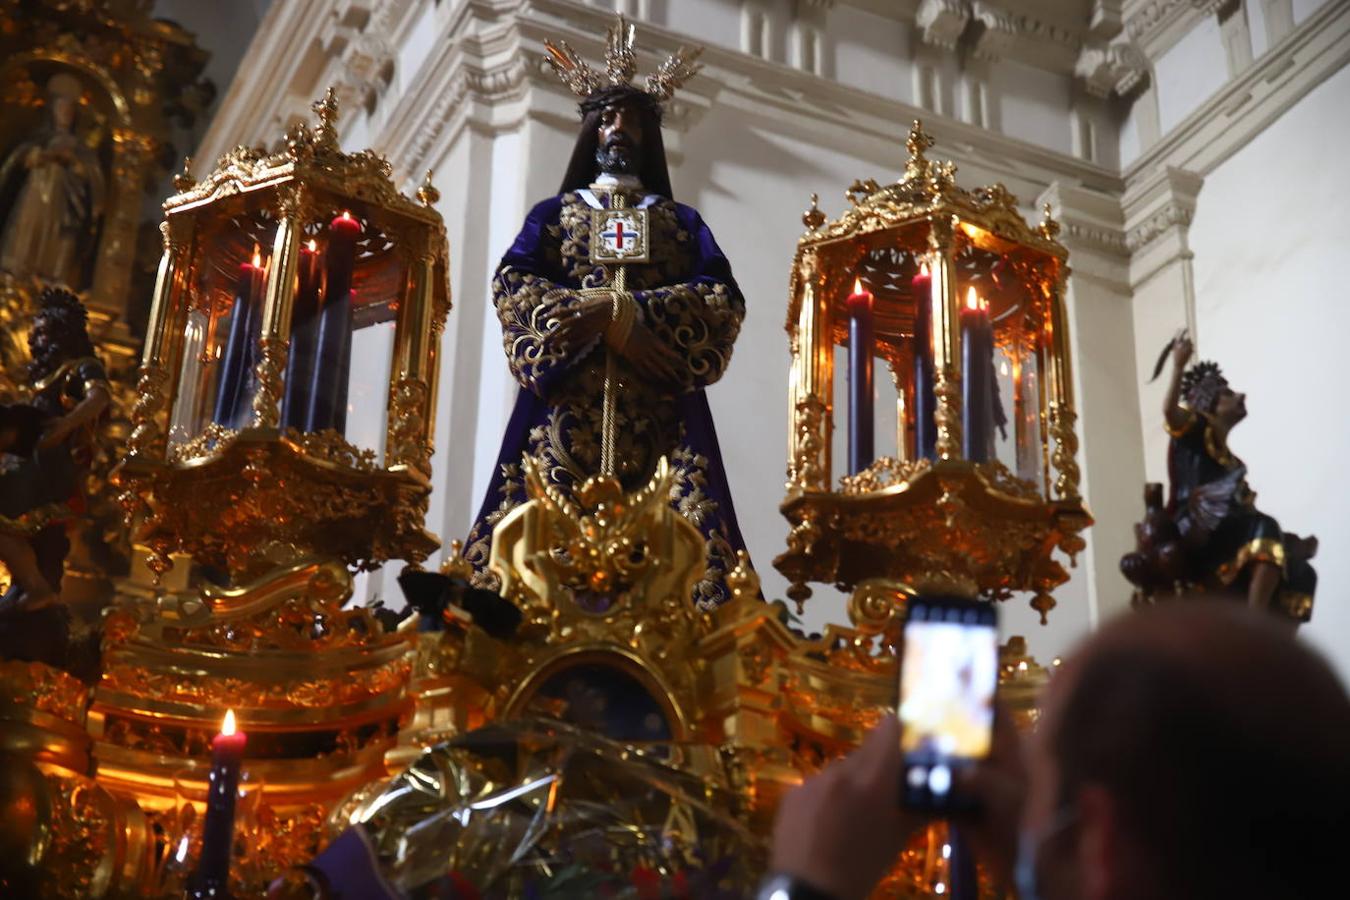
(998, 786)
(841, 830)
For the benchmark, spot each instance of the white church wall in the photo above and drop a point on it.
(718, 21)
(1034, 105)
(872, 53)
(1268, 238)
(1303, 9)
(1192, 70)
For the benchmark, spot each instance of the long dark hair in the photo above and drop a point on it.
(582, 169)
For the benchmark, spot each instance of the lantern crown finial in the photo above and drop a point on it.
(917, 143)
(327, 111)
(427, 192)
(1048, 227)
(813, 218)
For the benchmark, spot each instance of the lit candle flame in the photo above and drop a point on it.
(257, 259)
(923, 268)
(228, 727)
(313, 245)
(857, 286)
(972, 299)
(346, 214)
(1003, 367)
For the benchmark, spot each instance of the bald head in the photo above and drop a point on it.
(1222, 744)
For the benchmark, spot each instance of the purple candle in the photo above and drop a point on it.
(977, 361)
(327, 401)
(227, 755)
(925, 401)
(861, 443)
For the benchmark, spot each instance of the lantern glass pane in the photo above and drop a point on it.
(219, 350)
(349, 283)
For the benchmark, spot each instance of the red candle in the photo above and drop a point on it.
(227, 756)
(861, 443)
(343, 232)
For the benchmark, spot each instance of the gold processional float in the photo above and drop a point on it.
(254, 498)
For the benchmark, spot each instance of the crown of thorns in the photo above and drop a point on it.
(1202, 383)
(621, 66)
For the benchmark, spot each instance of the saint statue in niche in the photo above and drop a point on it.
(670, 328)
(57, 188)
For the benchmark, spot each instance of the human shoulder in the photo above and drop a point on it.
(689, 217)
(546, 210)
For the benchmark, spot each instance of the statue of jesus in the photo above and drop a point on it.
(613, 282)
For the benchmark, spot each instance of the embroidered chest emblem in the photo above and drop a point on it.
(619, 236)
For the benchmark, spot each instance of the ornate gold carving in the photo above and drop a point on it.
(408, 425)
(813, 218)
(271, 371)
(806, 471)
(147, 435)
(604, 549)
(426, 191)
(884, 473)
(1064, 457)
(1021, 679)
(948, 414)
(971, 528)
(40, 687)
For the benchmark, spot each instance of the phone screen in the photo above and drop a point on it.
(946, 708)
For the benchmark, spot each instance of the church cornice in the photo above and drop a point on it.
(829, 108)
(1317, 48)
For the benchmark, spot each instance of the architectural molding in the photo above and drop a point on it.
(1158, 214)
(1089, 220)
(1157, 224)
(1228, 120)
(941, 22)
(1105, 69)
(995, 31)
(827, 108)
(1158, 24)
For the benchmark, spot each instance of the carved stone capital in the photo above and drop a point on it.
(1111, 68)
(1091, 220)
(1157, 224)
(995, 32)
(1163, 202)
(941, 22)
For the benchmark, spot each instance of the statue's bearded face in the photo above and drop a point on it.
(619, 139)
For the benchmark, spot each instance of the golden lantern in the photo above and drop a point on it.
(265, 453)
(250, 430)
(962, 300)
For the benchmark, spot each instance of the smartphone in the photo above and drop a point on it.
(948, 679)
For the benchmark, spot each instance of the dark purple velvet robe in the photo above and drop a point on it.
(689, 299)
